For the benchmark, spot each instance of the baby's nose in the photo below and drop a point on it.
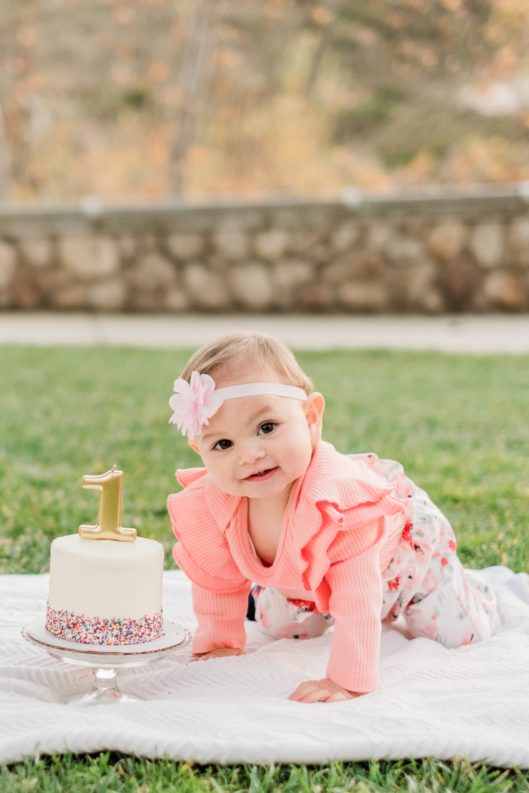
(251, 452)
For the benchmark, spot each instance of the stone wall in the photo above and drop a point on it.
(449, 252)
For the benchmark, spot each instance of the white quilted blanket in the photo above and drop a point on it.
(473, 701)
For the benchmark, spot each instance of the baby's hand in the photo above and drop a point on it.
(221, 652)
(321, 691)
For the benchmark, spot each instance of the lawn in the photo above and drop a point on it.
(457, 423)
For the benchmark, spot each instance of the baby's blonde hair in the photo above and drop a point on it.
(236, 347)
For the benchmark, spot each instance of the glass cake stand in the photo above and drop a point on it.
(105, 662)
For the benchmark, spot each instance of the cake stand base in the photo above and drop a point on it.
(105, 690)
(105, 662)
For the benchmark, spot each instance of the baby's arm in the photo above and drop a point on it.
(219, 589)
(220, 618)
(355, 603)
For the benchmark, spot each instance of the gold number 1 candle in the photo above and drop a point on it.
(108, 527)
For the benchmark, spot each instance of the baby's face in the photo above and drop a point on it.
(258, 446)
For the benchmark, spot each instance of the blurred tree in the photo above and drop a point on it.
(4, 160)
(153, 97)
(392, 48)
(8, 26)
(193, 84)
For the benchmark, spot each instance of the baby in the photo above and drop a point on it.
(310, 536)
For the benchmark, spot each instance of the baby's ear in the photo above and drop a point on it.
(314, 408)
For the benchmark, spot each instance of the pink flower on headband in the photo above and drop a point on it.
(194, 403)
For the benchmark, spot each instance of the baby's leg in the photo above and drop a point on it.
(454, 606)
(461, 610)
(285, 618)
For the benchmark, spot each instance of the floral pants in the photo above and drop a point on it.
(424, 583)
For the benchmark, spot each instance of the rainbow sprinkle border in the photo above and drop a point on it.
(106, 631)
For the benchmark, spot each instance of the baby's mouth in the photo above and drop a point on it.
(260, 475)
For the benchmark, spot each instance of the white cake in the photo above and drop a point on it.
(105, 592)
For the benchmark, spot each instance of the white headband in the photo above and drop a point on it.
(194, 402)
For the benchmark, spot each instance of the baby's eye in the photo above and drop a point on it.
(267, 427)
(223, 444)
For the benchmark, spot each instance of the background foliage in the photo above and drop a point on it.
(151, 98)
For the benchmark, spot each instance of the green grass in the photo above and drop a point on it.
(457, 423)
(107, 773)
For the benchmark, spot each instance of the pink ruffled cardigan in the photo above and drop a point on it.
(342, 524)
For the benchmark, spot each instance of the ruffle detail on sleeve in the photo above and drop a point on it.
(202, 551)
(339, 496)
(186, 476)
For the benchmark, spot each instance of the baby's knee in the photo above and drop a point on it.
(282, 618)
(461, 612)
